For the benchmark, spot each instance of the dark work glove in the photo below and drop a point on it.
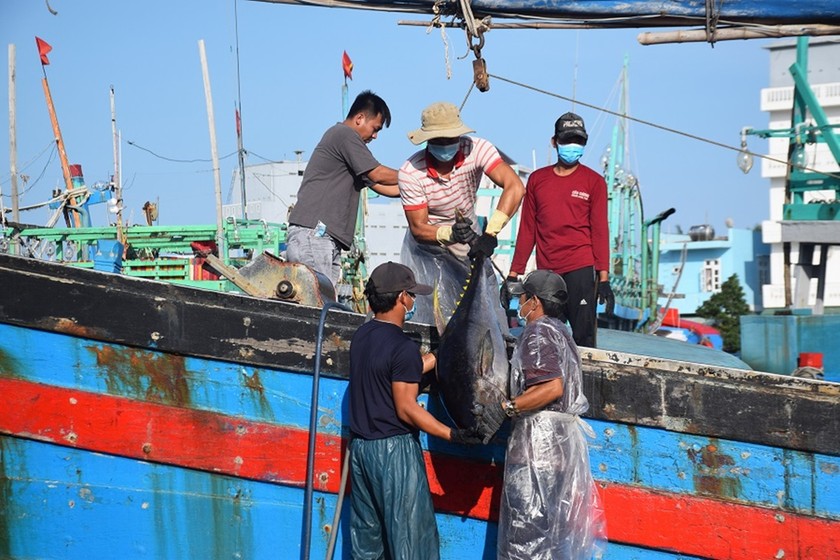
(484, 245)
(462, 231)
(606, 295)
(465, 437)
(504, 294)
(490, 421)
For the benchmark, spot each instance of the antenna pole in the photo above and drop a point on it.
(13, 137)
(239, 147)
(117, 180)
(211, 123)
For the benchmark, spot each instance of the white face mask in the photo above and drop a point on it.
(523, 320)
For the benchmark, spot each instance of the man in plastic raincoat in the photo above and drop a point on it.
(436, 184)
(550, 507)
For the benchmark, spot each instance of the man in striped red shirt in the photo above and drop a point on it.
(565, 216)
(436, 184)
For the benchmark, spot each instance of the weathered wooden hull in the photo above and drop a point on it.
(141, 419)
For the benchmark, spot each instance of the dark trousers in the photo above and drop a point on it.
(581, 308)
(392, 515)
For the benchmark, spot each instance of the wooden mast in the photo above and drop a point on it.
(62, 153)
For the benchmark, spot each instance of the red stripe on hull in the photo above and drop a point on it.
(164, 434)
(211, 441)
(232, 446)
(714, 528)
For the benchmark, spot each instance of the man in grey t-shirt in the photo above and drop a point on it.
(323, 220)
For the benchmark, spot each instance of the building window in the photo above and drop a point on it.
(763, 269)
(710, 276)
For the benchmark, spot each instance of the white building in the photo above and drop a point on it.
(777, 100)
(271, 190)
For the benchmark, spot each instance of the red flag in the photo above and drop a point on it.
(43, 49)
(347, 65)
(238, 124)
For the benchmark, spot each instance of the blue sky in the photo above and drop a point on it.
(290, 67)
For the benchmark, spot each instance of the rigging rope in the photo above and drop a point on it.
(657, 126)
(21, 169)
(712, 18)
(469, 91)
(437, 9)
(473, 29)
(134, 144)
(37, 179)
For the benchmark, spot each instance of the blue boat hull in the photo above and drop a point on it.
(126, 431)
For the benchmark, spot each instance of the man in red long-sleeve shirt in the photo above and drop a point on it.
(564, 214)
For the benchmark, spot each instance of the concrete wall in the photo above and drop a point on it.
(772, 343)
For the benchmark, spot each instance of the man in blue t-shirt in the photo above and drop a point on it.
(392, 511)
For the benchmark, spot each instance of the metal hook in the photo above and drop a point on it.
(480, 77)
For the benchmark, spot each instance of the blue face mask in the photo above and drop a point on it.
(569, 153)
(444, 152)
(409, 313)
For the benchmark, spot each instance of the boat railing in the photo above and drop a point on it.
(171, 253)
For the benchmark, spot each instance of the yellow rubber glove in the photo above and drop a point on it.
(497, 222)
(444, 235)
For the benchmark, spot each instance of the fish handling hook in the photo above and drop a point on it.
(342, 488)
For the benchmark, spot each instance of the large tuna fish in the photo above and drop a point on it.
(472, 361)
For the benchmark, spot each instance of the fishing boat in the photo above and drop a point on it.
(148, 410)
(142, 418)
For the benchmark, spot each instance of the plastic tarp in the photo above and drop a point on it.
(445, 269)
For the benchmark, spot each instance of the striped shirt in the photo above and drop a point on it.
(422, 187)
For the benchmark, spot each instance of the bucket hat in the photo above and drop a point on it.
(439, 120)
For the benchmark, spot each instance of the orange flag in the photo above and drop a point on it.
(43, 49)
(347, 65)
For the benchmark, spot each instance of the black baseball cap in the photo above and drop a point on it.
(394, 277)
(545, 284)
(569, 127)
